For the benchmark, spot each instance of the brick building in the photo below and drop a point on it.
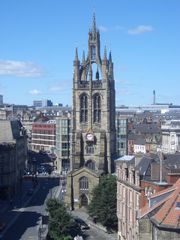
(43, 136)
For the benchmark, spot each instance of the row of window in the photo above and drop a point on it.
(50, 132)
(43, 142)
(43, 137)
(84, 108)
(50, 126)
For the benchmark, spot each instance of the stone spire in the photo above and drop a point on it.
(110, 57)
(105, 54)
(94, 24)
(76, 55)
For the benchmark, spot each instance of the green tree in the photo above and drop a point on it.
(60, 220)
(104, 202)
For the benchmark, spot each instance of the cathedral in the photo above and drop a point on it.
(93, 121)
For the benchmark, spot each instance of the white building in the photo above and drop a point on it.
(63, 143)
(171, 136)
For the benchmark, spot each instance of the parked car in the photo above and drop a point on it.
(82, 224)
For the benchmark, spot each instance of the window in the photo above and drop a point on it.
(64, 123)
(65, 145)
(126, 172)
(83, 183)
(83, 108)
(178, 205)
(90, 164)
(64, 137)
(90, 149)
(97, 108)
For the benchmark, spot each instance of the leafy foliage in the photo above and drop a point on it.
(60, 220)
(104, 203)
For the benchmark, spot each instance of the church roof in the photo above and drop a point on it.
(85, 169)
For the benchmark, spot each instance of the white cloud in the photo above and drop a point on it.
(140, 29)
(107, 29)
(20, 69)
(35, 92)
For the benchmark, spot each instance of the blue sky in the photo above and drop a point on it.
(38, 40)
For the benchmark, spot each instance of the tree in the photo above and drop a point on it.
(60, 220)
(103, 206)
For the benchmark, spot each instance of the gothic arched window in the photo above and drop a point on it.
(83, 108)
(90, 164)
(83, 183)
(97, 108)
(90, 149)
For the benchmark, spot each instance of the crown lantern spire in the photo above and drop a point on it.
(94, 24)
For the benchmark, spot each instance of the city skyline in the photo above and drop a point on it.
(38, 41)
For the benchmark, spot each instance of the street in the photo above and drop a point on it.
(23, 224)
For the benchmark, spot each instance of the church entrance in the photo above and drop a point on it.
(83, 201)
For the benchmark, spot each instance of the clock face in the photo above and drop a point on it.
(90, 137)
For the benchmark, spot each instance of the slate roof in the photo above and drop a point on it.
(9, 130)
(167, 212)
(147, 128)
(128, 159)
(171, 161)
(144, 164)
(139, 141)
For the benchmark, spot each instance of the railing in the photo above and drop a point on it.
(95, 84)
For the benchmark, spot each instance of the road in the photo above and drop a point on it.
(24, 225)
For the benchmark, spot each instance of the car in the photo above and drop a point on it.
(83, 225)
(2, 226)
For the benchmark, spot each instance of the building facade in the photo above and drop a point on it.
(128, 192)
(93, 121)
(171, 136)
(43, 136)
(13, 155)
(63, 130)
(42, 103)
(1, 99)
(121, 134)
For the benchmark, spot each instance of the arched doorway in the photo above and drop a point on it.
(83, 200)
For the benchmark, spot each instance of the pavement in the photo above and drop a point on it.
(10, 210)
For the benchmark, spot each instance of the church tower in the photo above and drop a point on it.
(93, 121)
